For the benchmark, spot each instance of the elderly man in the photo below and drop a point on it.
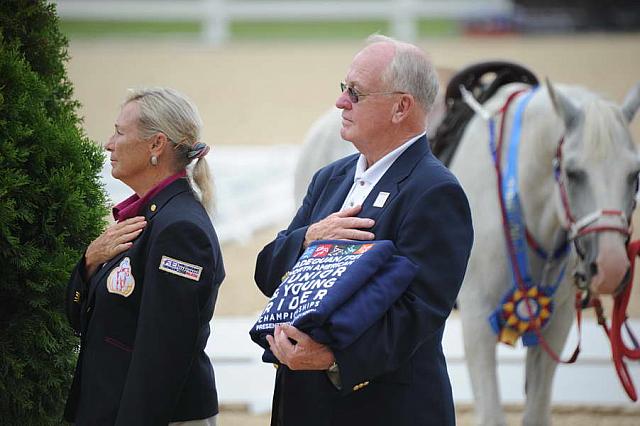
(395, 189)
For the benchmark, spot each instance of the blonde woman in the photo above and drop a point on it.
(142, 296)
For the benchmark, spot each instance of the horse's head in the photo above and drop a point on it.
(597, 167)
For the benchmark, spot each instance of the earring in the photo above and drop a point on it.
(154, 160)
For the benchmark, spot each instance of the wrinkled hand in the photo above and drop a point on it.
(342, 225)
(306, 354)
(113, 241)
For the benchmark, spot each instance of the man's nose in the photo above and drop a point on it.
(343, 101)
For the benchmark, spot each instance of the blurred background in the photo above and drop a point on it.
(263, 71)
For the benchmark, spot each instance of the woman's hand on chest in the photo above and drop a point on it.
(116, 239)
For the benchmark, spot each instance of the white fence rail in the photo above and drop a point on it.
(216, 15)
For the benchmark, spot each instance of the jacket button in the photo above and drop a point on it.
(359, 386)
(153, 207)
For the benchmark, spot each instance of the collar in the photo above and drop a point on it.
(336, 188)
(133, 205)
(379, 168)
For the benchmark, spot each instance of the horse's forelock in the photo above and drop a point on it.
(601, 126)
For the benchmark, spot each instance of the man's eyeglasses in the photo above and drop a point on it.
(354, 95)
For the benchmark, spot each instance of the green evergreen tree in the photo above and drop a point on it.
(51, 206)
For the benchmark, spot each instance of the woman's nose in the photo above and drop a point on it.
(109, 144)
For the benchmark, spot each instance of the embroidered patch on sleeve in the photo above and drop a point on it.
(180, 268)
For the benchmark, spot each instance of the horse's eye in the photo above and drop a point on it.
(633, 180)
(575, 175)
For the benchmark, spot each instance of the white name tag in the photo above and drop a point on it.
(381, 199)
(180, 268)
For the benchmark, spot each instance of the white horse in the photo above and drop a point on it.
(598, 167)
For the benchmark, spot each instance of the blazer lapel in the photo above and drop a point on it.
(389, 183)
(99, 275)
(335, 191)
(159, 200)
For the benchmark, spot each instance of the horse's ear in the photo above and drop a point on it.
(563, 106)
(631, 103)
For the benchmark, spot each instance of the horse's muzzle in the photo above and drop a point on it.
(611, 267)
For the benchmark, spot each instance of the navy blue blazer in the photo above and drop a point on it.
(142, 359)
(395, 373)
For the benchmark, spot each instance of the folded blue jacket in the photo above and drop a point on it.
(335, 291)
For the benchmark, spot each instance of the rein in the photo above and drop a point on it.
(619, 349)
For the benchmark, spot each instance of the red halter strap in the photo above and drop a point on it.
(619, 349)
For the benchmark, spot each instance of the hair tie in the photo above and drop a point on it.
(199, 150)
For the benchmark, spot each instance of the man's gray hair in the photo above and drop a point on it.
(167, 111)
(410, 71)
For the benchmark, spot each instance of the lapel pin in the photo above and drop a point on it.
(381, 199)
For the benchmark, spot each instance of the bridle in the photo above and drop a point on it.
(586, 224)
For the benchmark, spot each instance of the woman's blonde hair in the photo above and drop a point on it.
(167, 111)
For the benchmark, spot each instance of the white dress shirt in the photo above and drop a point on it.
(365, 179)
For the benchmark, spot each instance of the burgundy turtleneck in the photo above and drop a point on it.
(133, 205)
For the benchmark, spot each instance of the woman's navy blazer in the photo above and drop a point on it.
(395, 373)
(143, 320)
